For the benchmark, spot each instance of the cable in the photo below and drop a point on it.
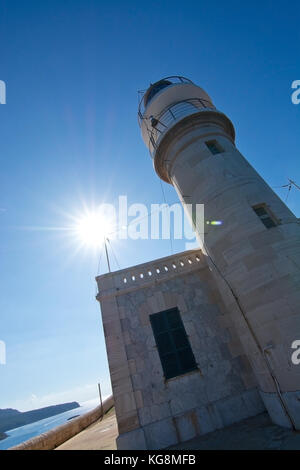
(289, 189)
(262, 351)
(289, 186)
(98, 269)
(116, 260)
(119, 230)
(164, 196)
(137, 221)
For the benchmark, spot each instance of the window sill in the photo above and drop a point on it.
(178, 377)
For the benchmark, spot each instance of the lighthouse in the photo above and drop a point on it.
(205, 338)
(254, 252)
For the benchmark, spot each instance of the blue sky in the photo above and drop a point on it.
(70, 138)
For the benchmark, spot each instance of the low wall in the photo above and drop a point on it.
(53, 438)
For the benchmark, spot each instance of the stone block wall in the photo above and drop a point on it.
(259, 263)
(153, 412)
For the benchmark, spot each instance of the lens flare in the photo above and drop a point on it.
(92, 228)
(214, 222)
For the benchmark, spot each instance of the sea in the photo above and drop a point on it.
(23, 433)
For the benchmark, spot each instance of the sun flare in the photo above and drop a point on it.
(92, 228)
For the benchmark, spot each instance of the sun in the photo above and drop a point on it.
(92, 227)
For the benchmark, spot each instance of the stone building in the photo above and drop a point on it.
(202, 339)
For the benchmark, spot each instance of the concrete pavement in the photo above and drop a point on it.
(100, 435)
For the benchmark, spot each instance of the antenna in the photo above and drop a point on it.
(293, 183)
(106, 252)
(290, 184)
(105, 246)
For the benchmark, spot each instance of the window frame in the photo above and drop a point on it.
(214, 143)
(267, 216)
(175, 351)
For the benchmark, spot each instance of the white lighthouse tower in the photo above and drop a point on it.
(255, 253)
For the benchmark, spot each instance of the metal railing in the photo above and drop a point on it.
(174, 79)
(159, 124)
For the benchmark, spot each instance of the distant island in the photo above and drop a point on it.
(11, 419)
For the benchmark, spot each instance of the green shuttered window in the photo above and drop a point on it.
(262, 212)
(173, 346)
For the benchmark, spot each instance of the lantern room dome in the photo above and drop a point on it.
(155, 88)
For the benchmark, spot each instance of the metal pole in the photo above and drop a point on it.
(293, 182)
(107, 259)
(100, 400)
